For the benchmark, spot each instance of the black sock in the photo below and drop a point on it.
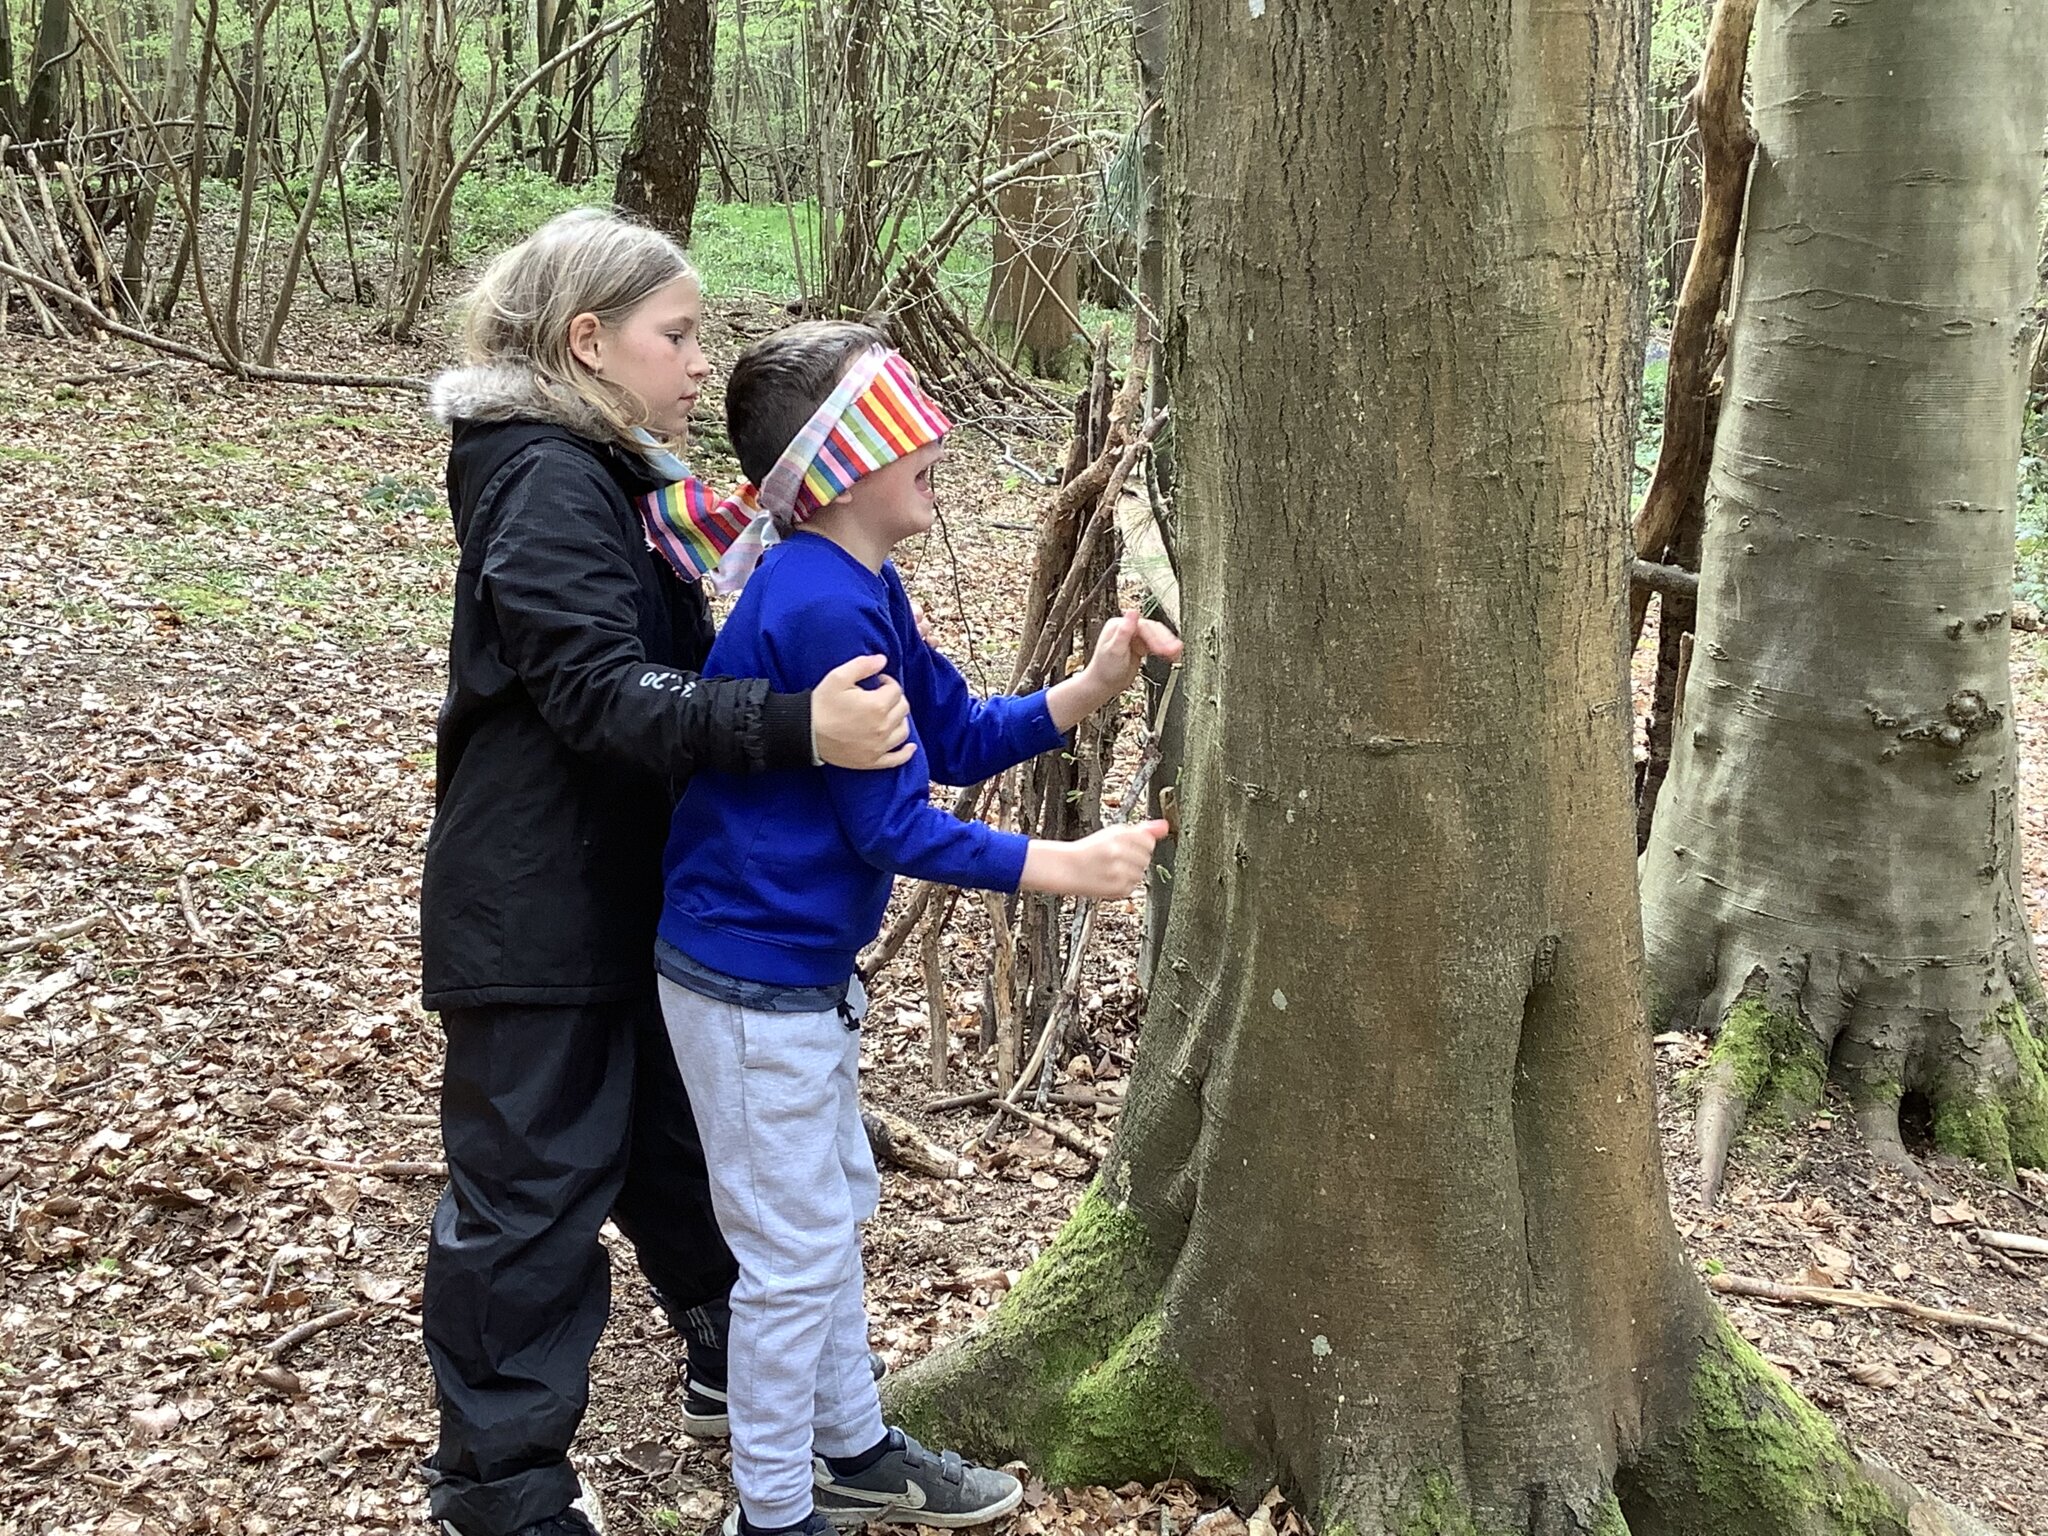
(748, 1528)
(853, 1466)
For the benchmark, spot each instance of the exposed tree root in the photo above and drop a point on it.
(1074, 1373)
(1762, 1060)
(1068, 1372)
(1986, 1084)
(1753, 1458)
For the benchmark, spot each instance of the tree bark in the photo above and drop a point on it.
(10, 98)
(1034, 291)
(45, 106)
(375, 86)
(1832, 870)
(846, 141)
(659, 171)
(576, 130)
(1386, 1222)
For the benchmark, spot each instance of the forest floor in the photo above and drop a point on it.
(222, 612)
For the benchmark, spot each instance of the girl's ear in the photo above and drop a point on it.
(586, 341)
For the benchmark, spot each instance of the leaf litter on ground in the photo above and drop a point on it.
(222, 609)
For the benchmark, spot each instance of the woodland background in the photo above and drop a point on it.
(230, 234)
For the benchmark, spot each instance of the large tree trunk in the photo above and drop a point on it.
(375, 87)
(10, 98)
(577, 132)
(45, 107)
(846, 145)
(1832, 871)
(1034, 291)
(1386, 1220)
(659, 170)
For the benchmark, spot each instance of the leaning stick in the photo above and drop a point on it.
(1871, 1301)
(1727, 145)
(1046, 1055)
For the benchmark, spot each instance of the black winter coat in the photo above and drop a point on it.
(573, 711)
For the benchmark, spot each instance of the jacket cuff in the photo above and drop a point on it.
(786, 732)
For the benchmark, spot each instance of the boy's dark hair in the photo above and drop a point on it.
(781, 379)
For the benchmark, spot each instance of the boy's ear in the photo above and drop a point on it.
(586, 341)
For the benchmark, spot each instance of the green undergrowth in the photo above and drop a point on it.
(1073, 1371)
(1752, 1459)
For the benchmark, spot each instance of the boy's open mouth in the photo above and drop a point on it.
(924, 480)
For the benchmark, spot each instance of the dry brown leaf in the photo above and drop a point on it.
(1833, 1262)
(1219, 1522)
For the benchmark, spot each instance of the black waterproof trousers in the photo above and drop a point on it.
(553, 1118)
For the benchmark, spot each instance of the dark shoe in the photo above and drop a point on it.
(704, 1411)
(704, 1406)
(817, 1525)
(583, 1518)
(911, 1485)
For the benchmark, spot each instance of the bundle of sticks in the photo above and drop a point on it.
(1038, 943)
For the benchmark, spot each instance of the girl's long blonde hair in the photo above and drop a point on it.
(587, 260)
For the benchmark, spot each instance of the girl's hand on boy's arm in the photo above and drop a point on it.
(1120, 651)
(1107, 866)
(856, 727)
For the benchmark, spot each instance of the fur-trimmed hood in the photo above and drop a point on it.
(500, 392)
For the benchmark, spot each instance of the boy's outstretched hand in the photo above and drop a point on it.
(1107, 866)
(1120, 650)
(858, 727)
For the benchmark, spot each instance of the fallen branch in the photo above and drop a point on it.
(1871, 1301)
(233, 369)
(33, 996)
(389, 1168)
(1057, 1132)
(2014, 1242)
(990, 1095)
(895, 1140)
(341, 1317)
(57, 935)
(185, 905)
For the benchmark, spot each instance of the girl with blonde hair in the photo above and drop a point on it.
(574, 713)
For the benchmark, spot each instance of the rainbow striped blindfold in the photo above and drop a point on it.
(874, 416)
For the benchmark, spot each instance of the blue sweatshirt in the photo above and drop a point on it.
(783, 877)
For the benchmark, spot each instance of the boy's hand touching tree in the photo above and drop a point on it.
(1107, 865)
(1120, 651)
